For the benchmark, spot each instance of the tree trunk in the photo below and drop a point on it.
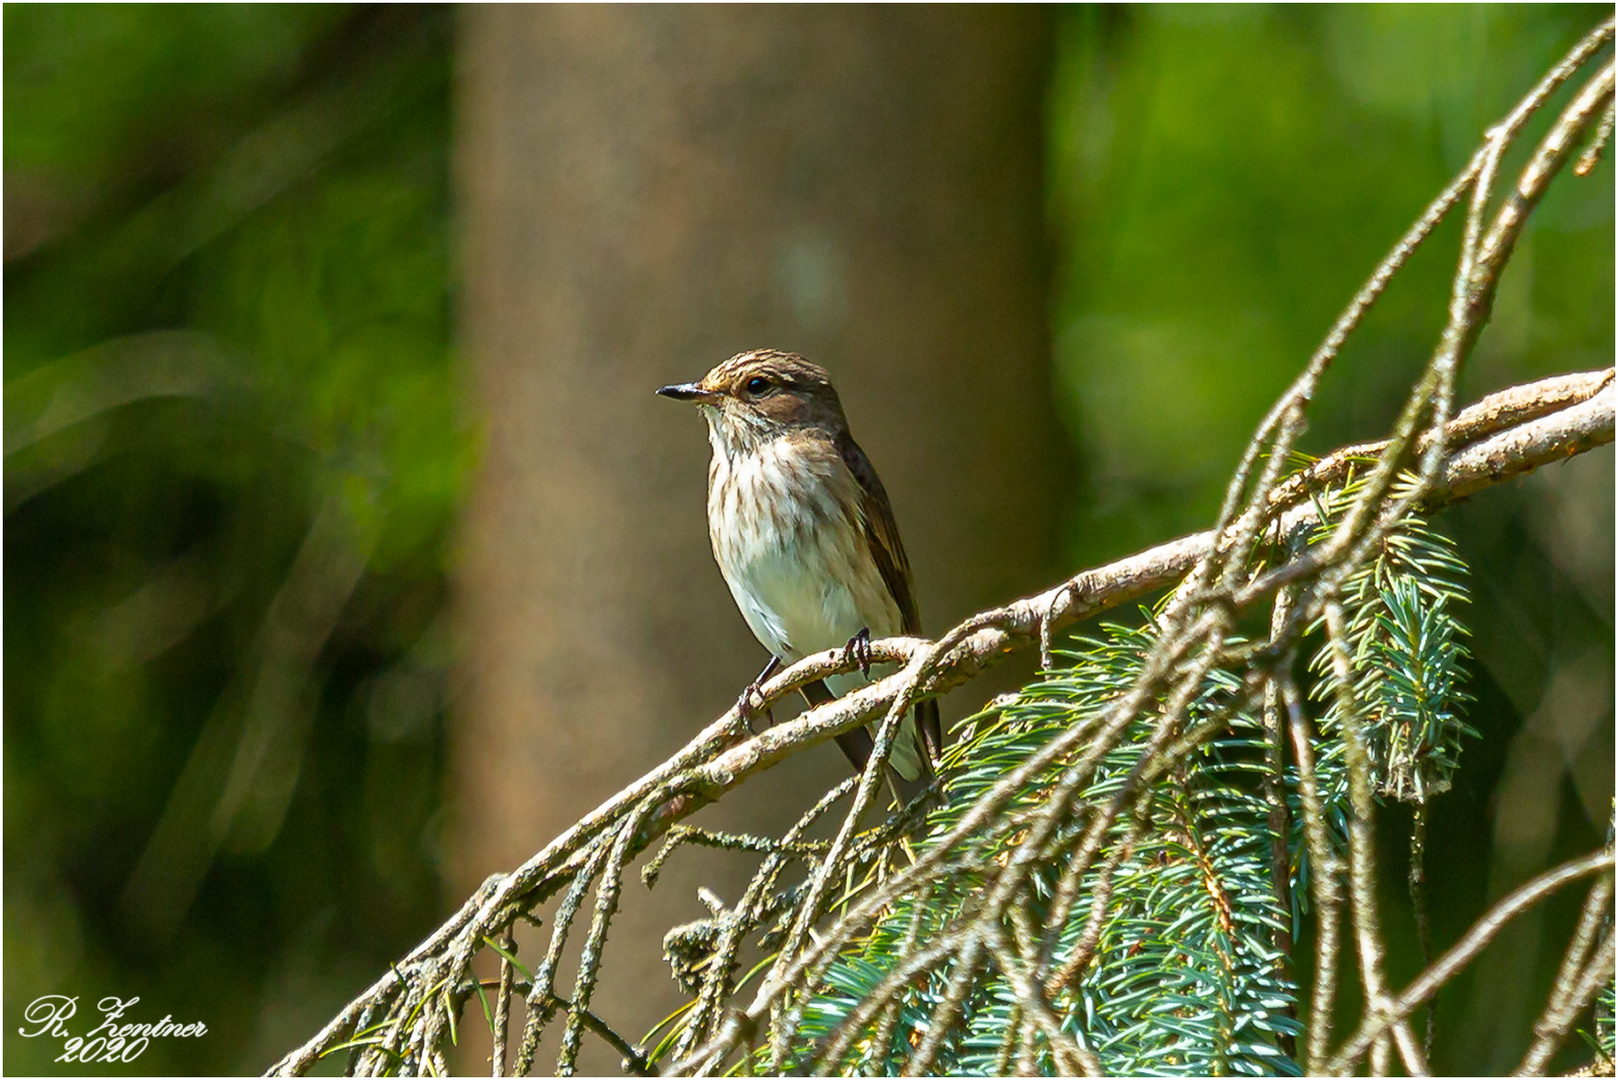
(646, 191)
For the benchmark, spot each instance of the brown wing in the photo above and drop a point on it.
(876, 514)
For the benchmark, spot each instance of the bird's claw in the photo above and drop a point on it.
(858, 650)
(746, 709)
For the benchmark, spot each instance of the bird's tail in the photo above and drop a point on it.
(922, 738)
(915, 751)
(907, 791)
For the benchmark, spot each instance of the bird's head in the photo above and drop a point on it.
(755, 396)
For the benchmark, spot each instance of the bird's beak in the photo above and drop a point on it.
(689, 392)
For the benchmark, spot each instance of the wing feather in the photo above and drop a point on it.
(876, 517)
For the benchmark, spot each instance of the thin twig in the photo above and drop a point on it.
(885, 994)
(1565, 1003)
(968, 956)
(1592, 153)
(882, 1037)
(747, 914)
(584, 981)
(502, 1006)
(540, 1009)
(1416, 879)
(1361, 859)
(1463, 952)
(1071, 1059)
(1275, 787)
(1324, 869)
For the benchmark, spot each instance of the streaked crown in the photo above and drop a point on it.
(763, 391)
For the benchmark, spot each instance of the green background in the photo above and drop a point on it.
(231, 379)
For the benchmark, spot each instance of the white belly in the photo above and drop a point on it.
(795, 560)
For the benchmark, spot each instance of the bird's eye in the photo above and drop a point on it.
(757, 384)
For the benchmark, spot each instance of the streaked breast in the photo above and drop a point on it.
(783, 520)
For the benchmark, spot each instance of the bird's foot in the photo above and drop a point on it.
(858, 650)
(751, 703)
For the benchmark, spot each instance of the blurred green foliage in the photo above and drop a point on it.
(235, 448)
(233, 453)
(1225, 178)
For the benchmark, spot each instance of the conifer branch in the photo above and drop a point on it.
(1174, 706)
(1502, 436)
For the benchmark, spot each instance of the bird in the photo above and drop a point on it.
(805, 537)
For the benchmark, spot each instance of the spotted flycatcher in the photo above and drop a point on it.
(804, 535)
